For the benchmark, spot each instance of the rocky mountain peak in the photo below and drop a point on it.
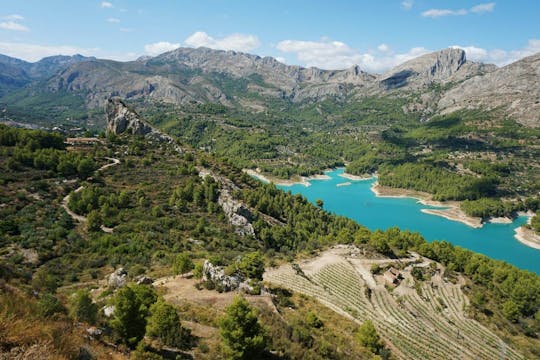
(437, 66)
(448, 62)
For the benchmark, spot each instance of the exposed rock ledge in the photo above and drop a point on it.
(238, 214)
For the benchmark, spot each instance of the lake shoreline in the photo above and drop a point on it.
(298, 180)
(527, 237)
(356, 177)
(451, 212)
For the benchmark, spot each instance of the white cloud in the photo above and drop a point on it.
(383, 48)
(281, 59)
(113, 20)
(477, 9)
(160, 47)
(13, 26)
(13, 17)
(407, 4)
(434, 13)
(237, 42)
(498, 56)
(481, 8)
(106, 4)
(126, 30)
(328, 54)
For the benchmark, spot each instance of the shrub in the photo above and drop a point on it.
(164, 325)
(82, 308)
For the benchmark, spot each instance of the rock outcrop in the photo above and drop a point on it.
(121, 119)
(217, 276)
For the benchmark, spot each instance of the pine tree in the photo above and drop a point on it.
(241, 332)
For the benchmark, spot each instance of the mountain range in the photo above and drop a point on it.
(436, 83)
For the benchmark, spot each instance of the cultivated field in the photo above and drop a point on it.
(426, 322)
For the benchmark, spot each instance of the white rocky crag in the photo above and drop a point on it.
(238, 214)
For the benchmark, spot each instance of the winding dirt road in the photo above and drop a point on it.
(80, 218)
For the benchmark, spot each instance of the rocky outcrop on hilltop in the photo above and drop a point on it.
(514, 90)
(216, 275)
(123, 120)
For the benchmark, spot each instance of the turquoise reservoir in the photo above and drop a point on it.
(358, 202)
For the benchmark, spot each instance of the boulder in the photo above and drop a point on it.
(143, 280)
(108, 311)
(94, 331)
(118, 278)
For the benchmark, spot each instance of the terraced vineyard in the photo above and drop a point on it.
(431, 326)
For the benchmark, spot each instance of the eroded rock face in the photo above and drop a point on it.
(121, 119)
(514, 90)
(238, 214)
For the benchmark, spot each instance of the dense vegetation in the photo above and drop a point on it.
(160, 210)
(465, 156)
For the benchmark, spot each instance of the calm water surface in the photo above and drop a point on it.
(359, 203)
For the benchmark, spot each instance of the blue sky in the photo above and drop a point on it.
(329, 34)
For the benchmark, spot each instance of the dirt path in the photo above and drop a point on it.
(80, 218)
(65, 202)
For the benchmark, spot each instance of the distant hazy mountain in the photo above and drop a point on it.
(16, 73)
(440, 81)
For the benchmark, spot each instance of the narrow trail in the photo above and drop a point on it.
(80, 218)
